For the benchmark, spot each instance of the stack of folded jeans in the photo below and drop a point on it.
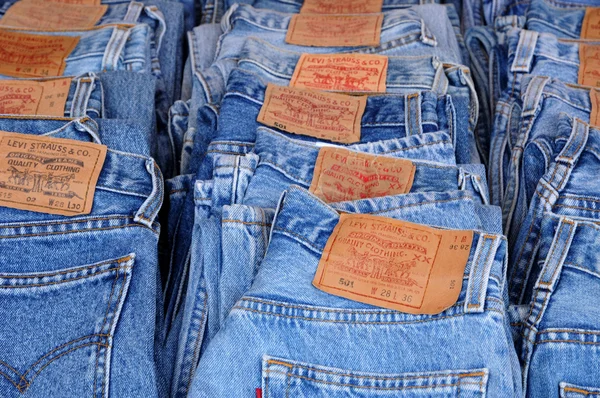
(330, 233)
(85, 90)
(299, 198)
(537, 73)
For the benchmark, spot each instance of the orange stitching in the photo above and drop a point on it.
(65, 281)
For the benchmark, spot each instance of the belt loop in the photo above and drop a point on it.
(83, 91)
(114, 48)
(149, 209)
(440, 81)
(412, 114)
(533, 94)
(483, 259)
(525, 51)
(426, 36)
(154, 13)
(569, 156)
(134, 10)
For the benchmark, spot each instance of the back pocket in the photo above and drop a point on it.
(573, 391)
(57, 329)
(283, 378)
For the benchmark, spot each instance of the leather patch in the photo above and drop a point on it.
(49, 175)
(30, 97)
(326, 116)
(29, 55)
(341, 175)
(341, 72)
(341, 7)
(394, 264)
(590, 28)
(589, 65)
(35, 15)
(595, 101)
(335, 30)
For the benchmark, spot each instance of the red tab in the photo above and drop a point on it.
(259, 393)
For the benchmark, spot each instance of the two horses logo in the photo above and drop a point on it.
(370, 266)
(305, 112)
(33, 181)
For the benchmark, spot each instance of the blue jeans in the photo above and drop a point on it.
(58, 304)
(301, 318)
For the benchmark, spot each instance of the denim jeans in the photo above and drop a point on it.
(557, 349)
(565, 188)
(533, 53)
(302, 318)
(543, 100)
(284, 162)
(237, 121)
(563, 19)
(57, 304)
(404, 75)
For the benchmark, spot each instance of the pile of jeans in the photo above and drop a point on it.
(299, 198)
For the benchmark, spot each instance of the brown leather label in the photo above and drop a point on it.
(74, 2)
(49, 175)
(589, 65)
(29, 97)
(590, 28)
(341, 174)
(327, 116)
(335, 30)
(595, 113)
(30, 55)
(48, 16)
(341, 72)
(394, 264)
(341, 7)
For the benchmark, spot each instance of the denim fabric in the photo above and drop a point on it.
(85, 97)
(543, 99)
(404, 75)
(404, 32)
(284, 316)
(566, 188)
(528, 53)
(120, 88)
(560, 332)
(236, 130)
(561, 18)
(284, 162)
(57, 304)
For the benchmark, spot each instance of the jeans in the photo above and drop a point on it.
(58, 303)
(300, 318)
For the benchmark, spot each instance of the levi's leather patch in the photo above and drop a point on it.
(590, 28)
(37, 15)
(341, 175)
(29, 97)
(341, 72)
(327, 116)
(30, 55)
(589, 65)
(595, 113)
(49, 175)
(394, 264)
(335, 30)
(341, 7)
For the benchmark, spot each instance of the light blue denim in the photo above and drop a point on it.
(284, 161)
(404, 75)
(561, 18)
(283, 320)
(560, 331)
(81, 320)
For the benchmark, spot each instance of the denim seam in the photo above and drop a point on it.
(73, 270)
(289, 374)
(66, 280)
(77, 231)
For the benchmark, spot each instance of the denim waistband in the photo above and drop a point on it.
(562, 18)
(380, 109)
(534, 88)
(305, 218)
(273, 20)
(297, 159)
(113, 44)
(525, 45)
(419, 72)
